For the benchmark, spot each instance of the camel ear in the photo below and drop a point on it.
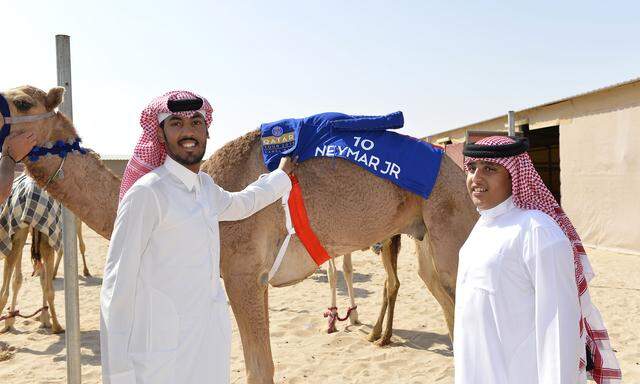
(54, 98)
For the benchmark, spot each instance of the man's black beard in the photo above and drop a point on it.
(189, 160)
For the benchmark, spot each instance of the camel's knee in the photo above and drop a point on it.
(347, 265)
(331, 274)
(49, 291)
(17, 281)
(393, 286)
(4, 297)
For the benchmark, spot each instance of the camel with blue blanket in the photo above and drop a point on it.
(346, 206)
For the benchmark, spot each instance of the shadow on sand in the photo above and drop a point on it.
(421, 340)
(89, 340)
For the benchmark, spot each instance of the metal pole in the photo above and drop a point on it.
(71, 297)
(511, 119)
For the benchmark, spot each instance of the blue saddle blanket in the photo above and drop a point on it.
(366, 141)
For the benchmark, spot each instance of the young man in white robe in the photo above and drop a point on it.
(523, 313)
(164, 314)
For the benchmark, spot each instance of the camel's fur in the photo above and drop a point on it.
(349, 207)
(13, 267)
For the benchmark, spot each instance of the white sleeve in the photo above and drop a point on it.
(549, 262)
(257, 195)
(138, 215)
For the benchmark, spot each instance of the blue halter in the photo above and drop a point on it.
(60, 148)
(6, 127)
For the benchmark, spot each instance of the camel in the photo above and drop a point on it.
(83, 248)
(13, 266)
(349, 208)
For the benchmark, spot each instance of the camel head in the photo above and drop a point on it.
(31, 101)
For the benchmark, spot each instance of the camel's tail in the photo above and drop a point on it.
(36, 256)
(395, 244)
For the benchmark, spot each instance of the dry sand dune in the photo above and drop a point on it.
(303, 352)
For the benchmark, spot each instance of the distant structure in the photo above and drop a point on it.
(116, 163)
(587, 149)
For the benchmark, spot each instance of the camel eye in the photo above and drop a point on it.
(22, 105)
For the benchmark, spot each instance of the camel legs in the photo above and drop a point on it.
(332, 312)
(13, 263)
(249, 301)
(389, 256)
(48, 292)
(15, 287)
(83, 248)
(58, 259)
(332, 273)
(443, 292)
(347, 268)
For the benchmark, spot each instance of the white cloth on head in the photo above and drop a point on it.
(517, 311)
(164, 315)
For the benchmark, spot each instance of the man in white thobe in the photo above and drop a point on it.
(164, 311)
(518, 306)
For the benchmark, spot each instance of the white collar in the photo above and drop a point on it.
(188, 178)
(498, 210)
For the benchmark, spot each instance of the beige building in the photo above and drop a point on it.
(587, 149)
(116, 163)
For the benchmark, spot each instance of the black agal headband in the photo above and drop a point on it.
(493, 151)
(185, 105)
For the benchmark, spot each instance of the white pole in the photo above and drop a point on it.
(71, 297)
(511, 119)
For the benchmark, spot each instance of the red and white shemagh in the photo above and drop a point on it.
(150, 153)
(530, 192)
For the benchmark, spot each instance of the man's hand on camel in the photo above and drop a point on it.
(19, 145)
(288, 164)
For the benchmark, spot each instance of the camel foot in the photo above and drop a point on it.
(86, 273)
(57, 329)
(353, 318)
(332, 317)
(45, 320)
(8, 323)
(383, 341)
(6, 329)
(373, 336)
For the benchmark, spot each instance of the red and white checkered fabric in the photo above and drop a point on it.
(530, 192)
(150, 152)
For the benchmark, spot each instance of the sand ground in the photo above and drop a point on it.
(303, 352)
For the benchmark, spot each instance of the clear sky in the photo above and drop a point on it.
(444, 64)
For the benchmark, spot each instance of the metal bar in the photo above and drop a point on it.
(71, 296)
(511, 119)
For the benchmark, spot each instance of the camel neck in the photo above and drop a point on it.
(86, 187)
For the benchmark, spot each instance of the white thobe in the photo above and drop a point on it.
(517, 310)
(164, 315)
